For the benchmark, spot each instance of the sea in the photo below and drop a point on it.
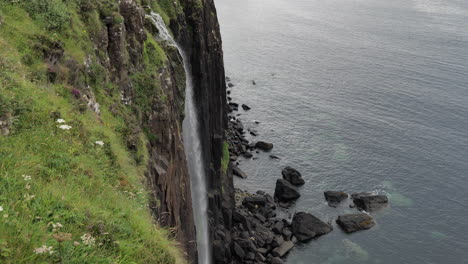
(359, 95)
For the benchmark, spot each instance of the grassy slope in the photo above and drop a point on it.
(87, 188)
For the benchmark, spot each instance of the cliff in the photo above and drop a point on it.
(92, 160)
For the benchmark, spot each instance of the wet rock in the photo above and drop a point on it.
(335, 197)
(292, 176)
(230, 85)
(276, 260)
(255, 200)
(265, 146)
(277, 241)
(368, 202)
(246, 107)
(253, 82)
(238, 172)
(306, 226)
(355, 222)
(253, 133)
(282, 250)
(285, 192)
(247, 155)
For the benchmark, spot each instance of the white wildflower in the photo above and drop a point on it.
(100, 143)
(88, 239)
(1, 208)
(44, 249)
(60, 121)
(57, 225)
(26, 177)
(65, 127)
(27, 187)
(29, 197)
(76, 243)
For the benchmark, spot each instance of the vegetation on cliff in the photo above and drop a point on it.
(73, 152)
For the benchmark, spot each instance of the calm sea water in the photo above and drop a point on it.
(360, 95)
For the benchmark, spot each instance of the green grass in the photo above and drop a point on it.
(225, 159)
(87, 188)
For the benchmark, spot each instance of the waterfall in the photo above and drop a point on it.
(193, 150)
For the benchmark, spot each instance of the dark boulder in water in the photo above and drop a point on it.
(335, 197)
(292, 176)
(306, 226)
(355, 222)
(245, 107)
(265, 146)
(230, 85)
(285, 192)
(369, 202)
(238, 172)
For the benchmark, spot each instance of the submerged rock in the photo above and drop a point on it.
(292, 176)
(230, 85)
(335, 197)
(370, 202)
(285, 192)
(306, 226)
(355, 222)
(245, 107)
(265, 146)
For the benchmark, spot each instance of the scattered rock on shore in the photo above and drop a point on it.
(355, 222)
(335, 197)
(369, 202)
(245, 107)
(292, 176)
(285, 192)
(265, 146)
(238, 172)
(306, 226)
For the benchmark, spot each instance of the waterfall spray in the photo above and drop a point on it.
(193, 149)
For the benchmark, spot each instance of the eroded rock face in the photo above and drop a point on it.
(369, 202)
(355, 222)
(306, 226)
(292, 176)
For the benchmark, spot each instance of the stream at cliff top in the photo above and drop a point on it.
(192, 150)
(359, 95)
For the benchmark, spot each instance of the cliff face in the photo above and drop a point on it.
(200, 35)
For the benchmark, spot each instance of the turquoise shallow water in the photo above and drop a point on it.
(360, 95)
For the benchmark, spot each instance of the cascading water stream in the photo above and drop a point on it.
(193, 149)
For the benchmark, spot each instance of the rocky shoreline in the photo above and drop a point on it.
(258, 234)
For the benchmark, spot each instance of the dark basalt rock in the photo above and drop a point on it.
(238, 172)
(355, 222)
(285, 192)
(292, 176)
(282, 250)
(369, 202)
(306, 226)
(335, 197)
(276, 260)
(230, 85)
(246, 107)
(265, 146)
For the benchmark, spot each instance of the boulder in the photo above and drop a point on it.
(276, 260)
(282, 250)
(285, 192)
(246, 107)
(230, 85)
(238, 172)
(355, 222)
(369, 202)
(238, 251)
(306, 226)
(335, 197)
(292, 176)
(265, 146)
